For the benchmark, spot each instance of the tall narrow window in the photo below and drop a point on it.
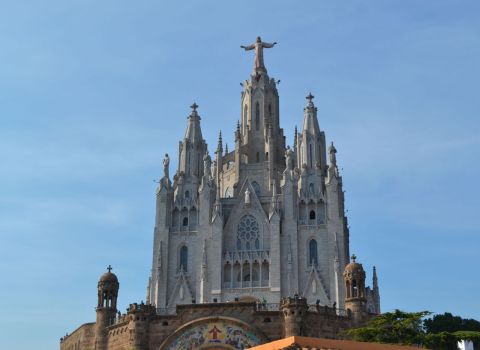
(310, 156)
(245, 113)
(257, 158)
(257, 116)
(185, 221)
(312, 214)
(184, 258)
(270, 109)
(313, 252)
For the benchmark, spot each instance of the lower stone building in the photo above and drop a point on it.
(237, 324)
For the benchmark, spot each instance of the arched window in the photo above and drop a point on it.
(311, 188)
(312, 214)
(256, 187)
(185, 221)
(257, 158)
(269, 109)
(313, 252)
(184, 258)
(257, 116)
(266, 156)
(187, 194)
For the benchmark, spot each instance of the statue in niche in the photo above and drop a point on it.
(247, 197)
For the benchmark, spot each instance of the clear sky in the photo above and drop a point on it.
(93, 93)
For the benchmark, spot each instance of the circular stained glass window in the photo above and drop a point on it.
(248, 233)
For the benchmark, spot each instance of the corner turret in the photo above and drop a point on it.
(355, 301)
(106, 307)
(294, 313)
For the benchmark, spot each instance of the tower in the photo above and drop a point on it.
(106, 307)
(294, 313)
(356, 300)
(263, 221)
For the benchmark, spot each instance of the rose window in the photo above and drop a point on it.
(248, 234)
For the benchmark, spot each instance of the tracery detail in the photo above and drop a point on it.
(248, 237)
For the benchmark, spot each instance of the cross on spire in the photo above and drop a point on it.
(109, 268)
(354, 257)
(310, 97)
(194, 107)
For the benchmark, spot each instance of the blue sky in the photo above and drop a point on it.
(92, 94)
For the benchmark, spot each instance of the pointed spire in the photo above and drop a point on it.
(194, 132)
(238, 134)
(220, 143)
(226, 148)
(375, 278)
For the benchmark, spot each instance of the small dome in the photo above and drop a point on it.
(109, 276)
(354, 267)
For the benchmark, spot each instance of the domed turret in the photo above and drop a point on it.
(106, 307)
(355, 301)
(108, 290)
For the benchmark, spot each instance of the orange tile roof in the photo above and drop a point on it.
(300, 343)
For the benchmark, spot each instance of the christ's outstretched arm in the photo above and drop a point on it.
(249, 47)
(268, 45)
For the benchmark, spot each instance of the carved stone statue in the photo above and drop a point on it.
(166, 163)
(258, 46)
(332, 155)
(247, 196)
(207, 165)
(289, 158)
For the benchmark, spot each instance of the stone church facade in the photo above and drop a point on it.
(253, 244)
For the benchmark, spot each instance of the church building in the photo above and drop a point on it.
(250, 245)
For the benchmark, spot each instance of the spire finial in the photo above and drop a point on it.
(310, 98)
(109, 268)
(354, 257)
(220, 143)
(194, 107)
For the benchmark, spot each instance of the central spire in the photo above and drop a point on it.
(258, 46)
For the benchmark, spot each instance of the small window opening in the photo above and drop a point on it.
(187, 194)
(312, 214)
(185, 221)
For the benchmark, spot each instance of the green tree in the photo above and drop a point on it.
(448, 329)
(410, 328)
(397, 327)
